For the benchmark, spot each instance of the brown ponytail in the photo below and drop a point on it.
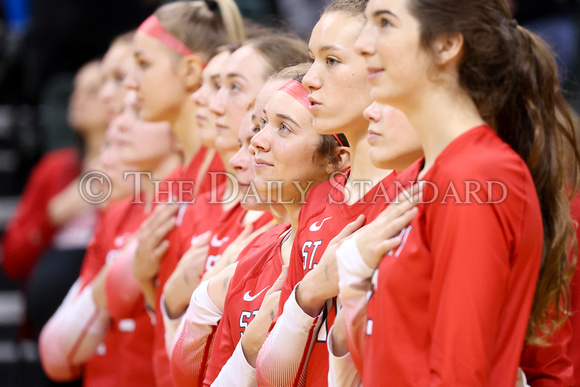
(512, 76)
(203, 26)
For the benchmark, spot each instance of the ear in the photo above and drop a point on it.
(190, 68)
(343, 156)
(448, 48)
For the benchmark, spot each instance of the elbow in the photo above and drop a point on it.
(54, 361)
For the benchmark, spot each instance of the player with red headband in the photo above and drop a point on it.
(242, 77)
(309, 312)
(171, 49)
(287, 132)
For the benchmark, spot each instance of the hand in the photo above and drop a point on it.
(338, 332)
(152, 244)
(186, 277)
(257, 331)
(321, 283)
(67, 204)
(381, 235)
(232, 252)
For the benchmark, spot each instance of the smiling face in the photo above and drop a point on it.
(394, 144)
(284, 150)
(160, 91)
(202, 97)
(241, 77)
(337, 80)
(115, 67)
(390, 42)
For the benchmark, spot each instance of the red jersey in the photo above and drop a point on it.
(451, 305)
(212, 178)
(229, 227)
(322, 217)
(574, 345)
(257, 270)
(194, 219)
(129, 339)
(30, 230)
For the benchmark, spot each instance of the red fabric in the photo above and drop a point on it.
(322, 217)
(451, 305)
(549, 366)
(127, 356)
(229, 227)
(30, 231)
(257, 270)
(574, 345)
(194, 219)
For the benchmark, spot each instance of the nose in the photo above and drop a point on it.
(365, 44)
(131, 80)
(106, 91)
(260, 142)
(199, 97)
(372, 112)
(311, 79)
(218, 102)
(237, 160)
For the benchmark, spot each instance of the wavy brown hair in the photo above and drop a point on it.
(512, 76)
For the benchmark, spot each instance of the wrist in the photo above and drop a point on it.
(308, 299)
(174, 303)
(251, 345)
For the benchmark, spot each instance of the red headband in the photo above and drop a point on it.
(153, 28)
(300, 94)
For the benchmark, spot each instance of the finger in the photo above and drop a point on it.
(349, 230)
(385, 246)
(410, 193)
(396, 225)
(245, 233)
(277, 286)
(202, 239)
(162, 231)
(396, 209)
(166, 212)
(160, 250)
(263, 229)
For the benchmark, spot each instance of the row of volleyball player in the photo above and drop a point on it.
(387, 204)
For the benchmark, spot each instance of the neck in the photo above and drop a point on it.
(439, 118)
(94, 144)
(185, 129)
(163, 168)
(232, 187)
(279, 213)
(361, 167)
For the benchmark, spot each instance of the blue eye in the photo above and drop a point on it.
(284, 128)
(331, 61)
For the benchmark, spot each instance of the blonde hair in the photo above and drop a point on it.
(203, 26)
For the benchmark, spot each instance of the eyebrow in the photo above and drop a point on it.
(287, 117)
(234, 75)
(329, 47)
(381, 11)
